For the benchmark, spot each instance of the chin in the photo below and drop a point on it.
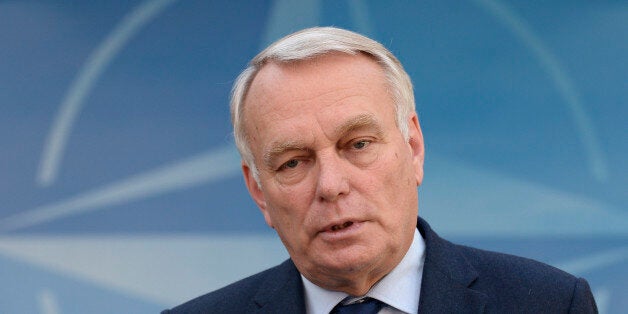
(349, 264)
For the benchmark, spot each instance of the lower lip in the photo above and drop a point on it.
(342, 234)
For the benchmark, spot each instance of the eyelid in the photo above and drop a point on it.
(367, 142)
(283, 153)
(283, 165)
(367, 139)
(281, 162)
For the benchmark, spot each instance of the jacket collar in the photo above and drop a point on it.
(281, 291)
(445, 287)
(447, 278)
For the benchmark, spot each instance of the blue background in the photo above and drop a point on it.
(120, 189)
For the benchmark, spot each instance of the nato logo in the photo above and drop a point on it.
(121, 188)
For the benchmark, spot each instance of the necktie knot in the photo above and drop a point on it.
(364, 306)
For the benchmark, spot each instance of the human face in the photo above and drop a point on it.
(337, 180)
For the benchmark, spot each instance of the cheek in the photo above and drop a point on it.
(288, 205)
(397, 172)
(400, 188)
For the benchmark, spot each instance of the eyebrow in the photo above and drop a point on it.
(279, 149)
(362, 121)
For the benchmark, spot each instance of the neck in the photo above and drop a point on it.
(356, 282)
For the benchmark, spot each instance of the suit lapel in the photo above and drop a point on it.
(282, 291)
(447, 278)
(445, 287)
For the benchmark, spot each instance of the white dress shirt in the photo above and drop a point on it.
(399, 289)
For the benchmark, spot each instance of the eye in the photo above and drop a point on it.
(361, 144)
(290, 164)
(362, 151)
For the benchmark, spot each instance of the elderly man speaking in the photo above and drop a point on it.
(332, 154)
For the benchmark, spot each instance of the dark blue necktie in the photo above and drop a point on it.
(364, 306)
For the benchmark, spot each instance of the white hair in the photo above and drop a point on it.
(309, 44)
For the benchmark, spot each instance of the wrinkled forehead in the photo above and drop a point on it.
(286, 99)
(295, 78)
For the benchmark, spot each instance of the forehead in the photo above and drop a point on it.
(278, 85)
(308, 94)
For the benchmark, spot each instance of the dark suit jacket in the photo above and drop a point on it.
(456, 279)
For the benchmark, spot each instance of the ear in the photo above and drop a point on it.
(416, 146)
(256, 192)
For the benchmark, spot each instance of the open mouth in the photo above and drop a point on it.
(342, 226)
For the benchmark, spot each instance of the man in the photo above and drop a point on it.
(332, 154)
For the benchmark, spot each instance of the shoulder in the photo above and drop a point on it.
(238, 297)
(525, 283)
(505, 268)
(510, 283)
(496, 268)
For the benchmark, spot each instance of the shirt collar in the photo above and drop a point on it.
(319, 300)
(399, 289)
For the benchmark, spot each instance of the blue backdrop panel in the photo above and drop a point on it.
(120, 188)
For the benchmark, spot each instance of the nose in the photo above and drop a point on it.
(333, 181)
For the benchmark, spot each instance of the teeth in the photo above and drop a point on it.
(340, 227)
